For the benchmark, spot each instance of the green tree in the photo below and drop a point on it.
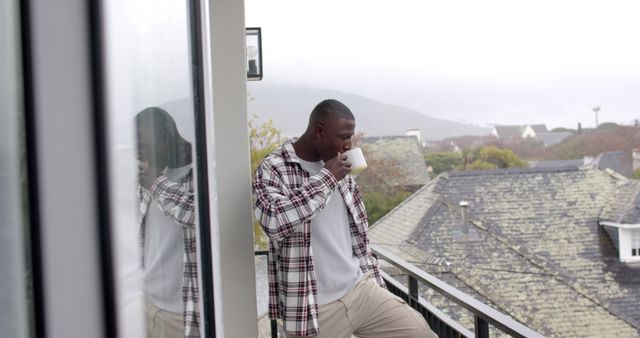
(490, 157)
(481, 165)
(379, 184)
(263, 139)
(636, 174)
(501, 158)
(444, 161)
(379, 203)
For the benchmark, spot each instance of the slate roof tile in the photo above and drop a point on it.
(537, 252)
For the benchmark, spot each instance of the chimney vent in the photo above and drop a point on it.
(465, 218)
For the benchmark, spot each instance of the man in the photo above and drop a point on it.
(323, 278)
(167, 227)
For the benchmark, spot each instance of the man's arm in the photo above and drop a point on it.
(280, 210)
(176, 200)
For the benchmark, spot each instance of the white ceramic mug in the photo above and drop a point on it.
(356, 158)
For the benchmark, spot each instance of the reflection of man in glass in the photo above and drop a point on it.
(168, 233)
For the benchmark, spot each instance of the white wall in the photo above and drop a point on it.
(625, 244)
(234, 270)
(528, 132)
(68, 210)
(416, 133)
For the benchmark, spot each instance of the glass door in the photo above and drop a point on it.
(159, 198)
(16, 278)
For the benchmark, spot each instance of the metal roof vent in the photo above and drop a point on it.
(465, 216)
(463, 232)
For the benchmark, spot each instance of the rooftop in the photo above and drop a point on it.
(534, 249)
(618, 161)
(539, 128)
(509, 131)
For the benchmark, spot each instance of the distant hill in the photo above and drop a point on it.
(608, 137)
(289, 107)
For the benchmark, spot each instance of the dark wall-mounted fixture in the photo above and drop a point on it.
(254, 53)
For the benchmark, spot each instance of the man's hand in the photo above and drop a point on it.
(339, 166)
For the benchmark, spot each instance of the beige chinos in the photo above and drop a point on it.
(163, 324)
(370, 311)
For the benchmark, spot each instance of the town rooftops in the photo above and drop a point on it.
(539, 128)
(618, 161)
(506, 132)
(556, 163)
(534, 248)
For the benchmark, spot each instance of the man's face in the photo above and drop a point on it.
(152, 148)
(334, 137)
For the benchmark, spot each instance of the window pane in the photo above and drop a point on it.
(152, 134)
(15, 272)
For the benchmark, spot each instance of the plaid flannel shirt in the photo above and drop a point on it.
(176, 201)
(286, 198)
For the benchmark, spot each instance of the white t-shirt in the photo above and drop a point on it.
(163, 254)
(337, 269)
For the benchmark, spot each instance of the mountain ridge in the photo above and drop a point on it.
(289, 107)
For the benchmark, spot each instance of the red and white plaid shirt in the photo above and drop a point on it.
(286, 199)
(176, 201)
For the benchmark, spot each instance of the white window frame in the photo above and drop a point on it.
(628, 239)
(635, 242)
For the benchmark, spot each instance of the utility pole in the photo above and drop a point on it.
(596, 109)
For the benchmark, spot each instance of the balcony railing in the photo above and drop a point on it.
(439, 322)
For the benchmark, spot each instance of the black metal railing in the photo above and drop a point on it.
(274, 323)
(439, 322)
(484, 315)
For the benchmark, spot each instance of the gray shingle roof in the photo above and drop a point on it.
(509, 131)
(618, 161)
(539, 128)
(540, 255)
(624, 205)
(556, 163)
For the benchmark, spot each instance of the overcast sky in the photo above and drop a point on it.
(482, 62)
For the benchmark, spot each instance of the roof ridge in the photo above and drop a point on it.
(504, 171)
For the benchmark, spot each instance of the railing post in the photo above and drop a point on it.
(481, 327)
(413, 292)
(274, 328)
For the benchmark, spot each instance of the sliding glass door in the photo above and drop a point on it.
(156, 136)
(16, 281)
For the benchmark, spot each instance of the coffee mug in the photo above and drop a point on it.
(356, 158)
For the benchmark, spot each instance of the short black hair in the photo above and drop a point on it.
(159, 120)
(330, 108)
(164, 129)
